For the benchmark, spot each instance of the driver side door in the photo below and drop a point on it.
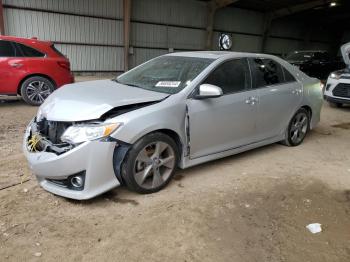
(225, 122)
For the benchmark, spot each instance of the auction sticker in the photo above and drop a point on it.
(168, 84)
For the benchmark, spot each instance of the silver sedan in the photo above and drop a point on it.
(177, 110)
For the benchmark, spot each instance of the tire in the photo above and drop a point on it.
(146, 171)
(338, 105)
(297, 128)
(36, 89)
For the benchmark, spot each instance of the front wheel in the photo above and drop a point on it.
(36, 89)
(150, 164)
(297, 128)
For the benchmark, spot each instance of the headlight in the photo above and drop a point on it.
(81, 133)
(334, 75)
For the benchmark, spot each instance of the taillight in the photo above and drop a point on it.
(65, 65)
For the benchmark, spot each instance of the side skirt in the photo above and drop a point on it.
(187, 162)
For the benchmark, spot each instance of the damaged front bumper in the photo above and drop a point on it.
(92, 160)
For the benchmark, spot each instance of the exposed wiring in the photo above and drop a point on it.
(33, 142)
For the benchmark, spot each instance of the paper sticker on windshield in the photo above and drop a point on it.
(168, 84)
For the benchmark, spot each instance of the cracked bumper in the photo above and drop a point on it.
(93, 157)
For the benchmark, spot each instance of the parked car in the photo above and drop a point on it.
(317, 64)
(31, 68)
(337, 88)
(177, 110)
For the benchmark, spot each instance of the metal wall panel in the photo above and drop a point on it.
(146, 35)
(93, 58)
(287, 28)
(239, 20)
(72, 29)
(63, 28)
(180, 12)
(185, 38)
(241, 43)
(282, 46)
(142, 55)
(108, 8)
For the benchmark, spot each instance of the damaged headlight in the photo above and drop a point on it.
(81, 133)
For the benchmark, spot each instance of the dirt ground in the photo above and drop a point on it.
(249, 207)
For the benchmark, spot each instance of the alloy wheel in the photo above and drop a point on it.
(154, 165)
(38, 91)
(298, 128)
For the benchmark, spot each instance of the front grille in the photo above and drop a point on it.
(342, 90)
(46, 136)
(52, 130)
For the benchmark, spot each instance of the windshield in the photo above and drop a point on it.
(166, 74)
(300, 56)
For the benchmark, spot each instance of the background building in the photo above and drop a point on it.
(91, 33)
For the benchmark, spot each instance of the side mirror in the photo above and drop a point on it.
(209, 91)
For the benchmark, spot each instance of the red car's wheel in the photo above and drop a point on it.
(36, 89)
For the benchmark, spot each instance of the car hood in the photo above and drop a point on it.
(90, 100)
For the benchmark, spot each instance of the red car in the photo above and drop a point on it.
(31, 68)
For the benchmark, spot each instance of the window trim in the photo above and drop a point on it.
(192, 95)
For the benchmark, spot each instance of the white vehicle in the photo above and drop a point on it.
(337, 89)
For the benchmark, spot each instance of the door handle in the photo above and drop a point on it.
(251, 100)
(296, 91)
(16, 65)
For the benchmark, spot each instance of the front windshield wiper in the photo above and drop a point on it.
(127, 84)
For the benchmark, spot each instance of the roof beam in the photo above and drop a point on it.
(126, 29)
(298, 8)
(213, 6)
(2, 26)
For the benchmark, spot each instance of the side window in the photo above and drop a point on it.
(322, 56)
(288, 77)
(231, 76)
(7, 49)
(267, 72)
(28, 51)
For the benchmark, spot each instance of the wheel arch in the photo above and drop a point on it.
(309, 110)
(32, 75)
(175, 136)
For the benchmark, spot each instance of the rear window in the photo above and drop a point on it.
(29, 51)
(57, 51)
(267, 72)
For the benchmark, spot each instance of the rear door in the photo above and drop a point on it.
(10, 72)
(219, 124)
(279, 96)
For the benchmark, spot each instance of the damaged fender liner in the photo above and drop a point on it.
(119, 154)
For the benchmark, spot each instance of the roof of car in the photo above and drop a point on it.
(216, 54)
(23, 40)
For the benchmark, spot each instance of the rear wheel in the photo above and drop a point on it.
(36, 89)
(150, 164)
(297, 128)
